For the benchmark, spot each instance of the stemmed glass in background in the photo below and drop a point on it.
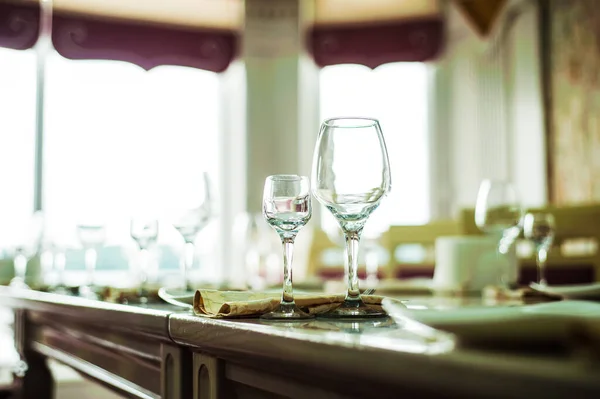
(499, 213)
(189, 223)
(145, 233)
(539, 227)
(28, 238)
(92, 235)
(287, 208)
(351, 175)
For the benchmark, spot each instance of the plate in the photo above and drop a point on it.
(180, 298)
(538, 324)
(580, 291)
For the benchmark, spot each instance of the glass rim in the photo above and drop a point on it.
(287, 177)
(353, 122)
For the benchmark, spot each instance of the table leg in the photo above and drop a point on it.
(34, 379)
(37, 383)
(176, 379)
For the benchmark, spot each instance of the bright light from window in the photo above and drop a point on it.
(396, 95)
(121, 141)
(17, 136)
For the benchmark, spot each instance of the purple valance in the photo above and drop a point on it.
(374, 45)
(19, 25)
(146, 45)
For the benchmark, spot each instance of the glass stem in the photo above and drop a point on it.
(144, 261)
(542, 255)
(502, 255)
(20, 266)
(91, 256)
(287, 298)
(59, 266)
(188, 262)
(352, 241)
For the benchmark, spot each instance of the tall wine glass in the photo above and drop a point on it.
(28, 239)
(498, 213)
(539, 227)
(189, 223)
(92, 234)
(145, 233)
(287, 208)
(351, 175)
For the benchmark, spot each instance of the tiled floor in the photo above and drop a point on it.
(70, 385)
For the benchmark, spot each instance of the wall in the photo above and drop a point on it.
(574, 49)
(491, 107)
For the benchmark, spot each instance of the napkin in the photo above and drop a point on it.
(232, 304)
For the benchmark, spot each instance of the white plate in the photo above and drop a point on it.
(541, 323)
(179, 298)
(582, 291)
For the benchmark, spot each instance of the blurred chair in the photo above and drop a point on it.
(317, 266)
(326, 259)
(412, 248)
(575, 254)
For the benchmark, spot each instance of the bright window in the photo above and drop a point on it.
(396, 95)
(17, 136)
(120, 140)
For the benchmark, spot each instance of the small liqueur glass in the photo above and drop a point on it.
(539, 227)
(28, 240)
(287, 208)
(92, 235)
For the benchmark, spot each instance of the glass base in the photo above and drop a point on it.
(89, 292)
(353, 309)
(18, 282)
(61, 289)
(288, 313)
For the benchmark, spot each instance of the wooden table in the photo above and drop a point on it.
(160, 351)
(124, 347)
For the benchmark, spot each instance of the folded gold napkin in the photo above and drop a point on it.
(231, 304)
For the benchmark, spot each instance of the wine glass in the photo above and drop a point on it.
(499, 213)
(189, 223)
(287, 208)
(28, 239)
(145, 233)
(539, 227)
(59, 239)
(351, 175)
(91, 234)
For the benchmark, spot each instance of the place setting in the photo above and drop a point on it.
(351, 191)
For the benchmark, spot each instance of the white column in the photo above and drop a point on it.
(281, 92)
(232, 170)
(270, 119)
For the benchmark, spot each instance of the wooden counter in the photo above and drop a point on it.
(160, 351)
